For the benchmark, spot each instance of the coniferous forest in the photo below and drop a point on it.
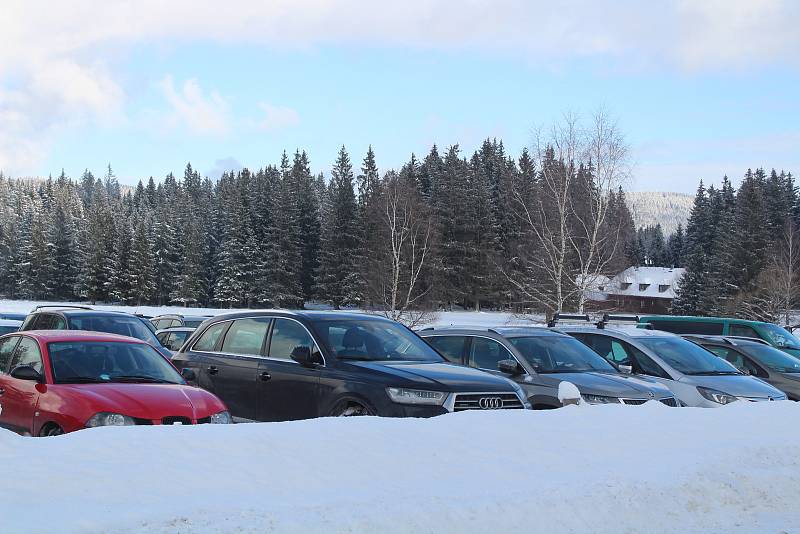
(447, 231)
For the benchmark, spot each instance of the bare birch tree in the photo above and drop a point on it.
(403, 252)
(566, 217)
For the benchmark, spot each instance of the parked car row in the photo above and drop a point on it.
(276, 365)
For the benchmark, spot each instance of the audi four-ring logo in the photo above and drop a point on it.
(490, 403)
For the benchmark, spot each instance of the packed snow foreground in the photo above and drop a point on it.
(578, 469)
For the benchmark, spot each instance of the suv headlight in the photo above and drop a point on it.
(600, 399)
(109, 419)
(415, 396)
(716, 396)
(221, 418)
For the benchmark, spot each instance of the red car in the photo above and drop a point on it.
(57, 381)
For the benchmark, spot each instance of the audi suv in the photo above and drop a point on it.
(285, 365)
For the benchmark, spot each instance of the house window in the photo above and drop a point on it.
(662, 288)
(625, 285)
(642, 287)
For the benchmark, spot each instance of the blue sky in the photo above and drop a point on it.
(160, 86)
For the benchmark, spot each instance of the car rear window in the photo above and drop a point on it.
(122, 325)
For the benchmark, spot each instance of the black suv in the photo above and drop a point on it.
(170, 320)
(85, 318)
(283, 365)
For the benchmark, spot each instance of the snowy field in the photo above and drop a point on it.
(580, 469)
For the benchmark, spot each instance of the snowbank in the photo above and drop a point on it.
(578, 469)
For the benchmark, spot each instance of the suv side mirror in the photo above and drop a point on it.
(188, 374)
(302, 355)
(625, 369)
(509, 367)
(26, 372)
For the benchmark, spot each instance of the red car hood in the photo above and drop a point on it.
(147, 401)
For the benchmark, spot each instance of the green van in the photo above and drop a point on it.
(773, 334)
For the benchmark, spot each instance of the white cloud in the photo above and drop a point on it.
(277, 117)
(192, 108)
(59, 55)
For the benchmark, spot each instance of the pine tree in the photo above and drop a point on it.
(339, 280)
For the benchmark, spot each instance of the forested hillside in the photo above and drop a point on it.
(667, 209)
(445, 231)
(742, 251)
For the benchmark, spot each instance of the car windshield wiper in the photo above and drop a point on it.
(714, 373)
(80, 380)
(139, 378)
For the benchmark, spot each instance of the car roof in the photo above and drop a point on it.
(303, 314)
(630, 331)
(83, 311)
(176, 329)
(505, 331)
(48, 336)
(693, 319)
(727, 340)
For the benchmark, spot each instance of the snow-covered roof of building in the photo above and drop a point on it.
(654, 282)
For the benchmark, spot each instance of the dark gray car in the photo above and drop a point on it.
(539, 359)
(757, 358)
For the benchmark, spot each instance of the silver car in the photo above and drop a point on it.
(696, 376)
(538, 360)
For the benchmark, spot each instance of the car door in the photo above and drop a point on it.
(7, 346)
(233, 370)
(450, 347)
(288, 390)
(20, 397)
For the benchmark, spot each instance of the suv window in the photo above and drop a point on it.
(609, 348)
(645, 365)
(485, 353)
(689, 327)
(739, 360)
(7, 347)
(451, 347)
(27, 354)
(288, 335)
(246, 336)
(743, 330)
(208, 341)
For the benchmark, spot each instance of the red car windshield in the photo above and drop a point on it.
(109, 361)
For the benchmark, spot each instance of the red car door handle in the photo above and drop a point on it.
(2, 390)
(212, 370)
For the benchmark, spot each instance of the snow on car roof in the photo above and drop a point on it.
(76, 335)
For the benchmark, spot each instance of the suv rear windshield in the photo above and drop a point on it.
(373, 340)
(688, 358)
(114, 324)
(556, 354)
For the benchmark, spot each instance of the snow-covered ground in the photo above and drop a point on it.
(461, 318)
(578, 469)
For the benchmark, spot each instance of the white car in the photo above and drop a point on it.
(695, 376)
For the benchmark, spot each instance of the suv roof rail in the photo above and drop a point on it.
(731, 339)
(561, 317)
(62, 306)
(617, 318)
